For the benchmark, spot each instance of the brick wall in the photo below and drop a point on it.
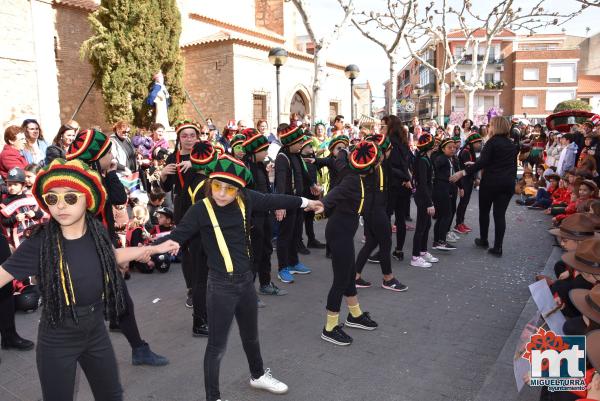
(208, 78)
(74, 74)
(269, 15)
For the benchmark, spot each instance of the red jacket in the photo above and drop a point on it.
(10, 157)
(561, 195)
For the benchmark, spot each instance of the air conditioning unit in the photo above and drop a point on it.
(499, 68)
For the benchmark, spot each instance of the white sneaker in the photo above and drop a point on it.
(269, 383)
(429, 258)
(452, 237)
(419, 262)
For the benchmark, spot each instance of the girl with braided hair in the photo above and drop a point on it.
(80, 284)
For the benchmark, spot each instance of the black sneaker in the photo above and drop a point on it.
(482, 243)
(302, 250)
(360, 283)
(398, 255)
(315, 243)
(189, 303)
(200, 328)
(443, 246)
(394, 285)
(336, 336)
(362, 322)
(496, 251)
(374, 258)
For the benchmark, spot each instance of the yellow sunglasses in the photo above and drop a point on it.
(216, 186)
(70, 198)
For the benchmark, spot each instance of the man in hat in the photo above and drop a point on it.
(290, 177)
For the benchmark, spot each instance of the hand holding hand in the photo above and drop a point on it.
(431, 211)
(315, 190)
(280, 214)
(169, 246)
(315, 206)
(146, 253)
(457, 176)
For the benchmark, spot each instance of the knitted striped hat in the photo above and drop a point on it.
(89, 145)
(425, 142)
(445, 142)
(203, 156)
(73, 174)
(456, 138)
(338, 139)
(291, 136)
(307, 140)
(364, 156)
(180, 125)
(474, 138)
(381, 140)
(237, 140)
(232, 171)
(256, 143)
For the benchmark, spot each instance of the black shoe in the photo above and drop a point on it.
(362, 322)
(315, 243)
(360, 283)
(302, 249)
(374, 258)
(495, 251)
(143, 355)
(520, 202)
(482, 243)
(200, 328)
(189, 303)
(443, 246)
(336, 336)
(398, 255)
(15, 341)
(394, 285)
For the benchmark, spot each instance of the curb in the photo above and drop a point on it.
(499, 384)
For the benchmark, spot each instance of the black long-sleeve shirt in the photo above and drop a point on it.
(172, 183)
(399, 163)
(443, 167)
(260, 182)
(423, 177)
(197, 224)
(116, 195)
(346, 196)
(498, 160)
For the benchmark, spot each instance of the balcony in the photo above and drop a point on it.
(491, 85)
(492, 59)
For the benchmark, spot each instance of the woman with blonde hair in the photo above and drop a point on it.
(498, 161)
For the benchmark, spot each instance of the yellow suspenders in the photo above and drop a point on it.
(380, 178)
(362, 195)
(193, 194)
(219, 234)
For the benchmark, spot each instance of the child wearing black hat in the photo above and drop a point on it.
(423, 180)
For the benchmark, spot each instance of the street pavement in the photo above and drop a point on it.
(437, 341)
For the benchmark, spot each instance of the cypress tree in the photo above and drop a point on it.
(132, 40)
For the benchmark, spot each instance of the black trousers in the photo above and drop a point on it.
(230, 296)
(87, 343)
(461, 210)
(7, 310)
(377, 233)
(290, 234)
(187, 266)
(261, 246)
(200, 277)
(422, 228)
(496, 198)
(399, 206)
(443, 212)
(128, 323)
(309, 225)
(339, 234)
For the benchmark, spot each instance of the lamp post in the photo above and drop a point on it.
(418, 91)
(278, 56)
(352, 72)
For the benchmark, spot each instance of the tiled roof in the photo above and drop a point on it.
(588, 84)
(479, 33)
(88, 5)
(259, 33)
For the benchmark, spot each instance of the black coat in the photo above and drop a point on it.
(498, 159)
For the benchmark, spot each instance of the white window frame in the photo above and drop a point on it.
(530, 105)
(574, 76)
(572, 96)
(534, 70)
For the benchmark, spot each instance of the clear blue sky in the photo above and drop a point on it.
(353, 48)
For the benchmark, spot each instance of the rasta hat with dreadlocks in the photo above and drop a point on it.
(59, 294)
(180, 125)
(474, 138)
(255, 143)
(380, 140)
(364, 156)
(338, 139)
(232, 171)
(237, 140)
(291, 135)
(203, 156)
(425, 142)
(73, 174)
(89, 145)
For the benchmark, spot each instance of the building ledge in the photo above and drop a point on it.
(261, 34)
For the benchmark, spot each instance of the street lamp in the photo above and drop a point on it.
(352, 72)
(278, 56)
(418, 91)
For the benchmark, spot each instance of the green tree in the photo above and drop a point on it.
(132, 40)
(572, 105)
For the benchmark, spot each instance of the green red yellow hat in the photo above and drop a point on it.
(338, 139)
(364, 156)
(291, 136)
(180, 125)
(255, 143)
(381, 140)
(219, 148)
(425, 142)
(456, 138)
(307, 140)
(74, 174)
(445, 142)
(232, 171)
(237, 140)
(474, 138)
(90, 145)
(203, 156)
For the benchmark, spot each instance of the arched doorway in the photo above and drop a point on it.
(299, 104)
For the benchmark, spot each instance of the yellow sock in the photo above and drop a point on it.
(355, 310)
(332, 321)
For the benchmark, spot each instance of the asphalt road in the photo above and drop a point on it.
(437, 341)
